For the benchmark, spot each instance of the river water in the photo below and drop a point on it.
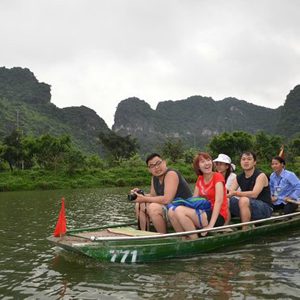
(31, 268)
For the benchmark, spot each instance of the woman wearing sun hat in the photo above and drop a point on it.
(224, 166)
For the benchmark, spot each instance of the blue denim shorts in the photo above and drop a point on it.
(259, 209)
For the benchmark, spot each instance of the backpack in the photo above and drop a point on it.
(200, 205)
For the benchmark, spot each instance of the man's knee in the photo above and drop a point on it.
(155, 209)
(181, 212)
(171, 213)
(260, 210)
(244, 202)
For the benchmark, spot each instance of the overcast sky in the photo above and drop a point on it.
(99, 52)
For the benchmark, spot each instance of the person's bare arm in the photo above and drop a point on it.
(218, 203)
(219, 187)
(232, 190)
(152, 191)
(171, 186)
(171, 182)
(260, 183)
(196, 191)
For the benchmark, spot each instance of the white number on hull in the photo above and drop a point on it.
(123, 254)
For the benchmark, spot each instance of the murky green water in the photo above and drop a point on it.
(31, 268)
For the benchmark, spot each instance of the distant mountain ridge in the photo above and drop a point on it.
(194, 120)
(25, 102)
(197, 119)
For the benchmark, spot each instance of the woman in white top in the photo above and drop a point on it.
(226, 168)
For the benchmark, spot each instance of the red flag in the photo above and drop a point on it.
(281, 153)
(61, 225)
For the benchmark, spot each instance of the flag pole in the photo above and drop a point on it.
(281, 152)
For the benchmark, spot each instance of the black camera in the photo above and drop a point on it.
(133, 196)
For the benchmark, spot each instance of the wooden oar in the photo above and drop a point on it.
(292, 201)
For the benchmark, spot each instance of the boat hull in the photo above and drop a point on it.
(159, 248)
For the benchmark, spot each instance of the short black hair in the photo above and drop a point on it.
(280, 159)
(248, 153)
(152, 155)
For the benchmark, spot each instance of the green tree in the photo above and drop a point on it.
(266, 146)
(30, 148)
(294, 147)
(231, 144)
(189, 155)
(51, 151)
(73, 159)
(94, 162)
(118, 147)
(173, 149)
(12, 152)
(134, 161)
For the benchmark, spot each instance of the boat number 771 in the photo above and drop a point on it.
(122, 255)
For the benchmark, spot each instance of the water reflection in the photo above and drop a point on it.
(31, 268)
(234, 274)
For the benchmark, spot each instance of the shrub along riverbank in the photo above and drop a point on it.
(22, 180)
(49, 162)
(125, 175)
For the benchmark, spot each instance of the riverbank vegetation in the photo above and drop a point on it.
(48, 162)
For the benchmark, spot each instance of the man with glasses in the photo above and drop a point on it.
(166, 185)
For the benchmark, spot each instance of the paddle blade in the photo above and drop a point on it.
(61, 225)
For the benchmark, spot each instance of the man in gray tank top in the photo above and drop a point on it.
(166, 185)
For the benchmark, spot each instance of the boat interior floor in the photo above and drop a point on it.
(88, 236)
(114, 232)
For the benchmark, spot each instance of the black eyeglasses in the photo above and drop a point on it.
(156, 164)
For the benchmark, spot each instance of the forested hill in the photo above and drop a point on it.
(197, 119)
(25, 104)
(289, 119)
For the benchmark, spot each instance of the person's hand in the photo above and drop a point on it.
(134, 190)
(231, 194)
(274, 198)
(140, 198)
(287, 199)
(206, 227)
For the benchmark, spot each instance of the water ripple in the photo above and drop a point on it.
(30, 268)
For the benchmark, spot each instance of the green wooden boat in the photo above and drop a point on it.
(126, 244)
